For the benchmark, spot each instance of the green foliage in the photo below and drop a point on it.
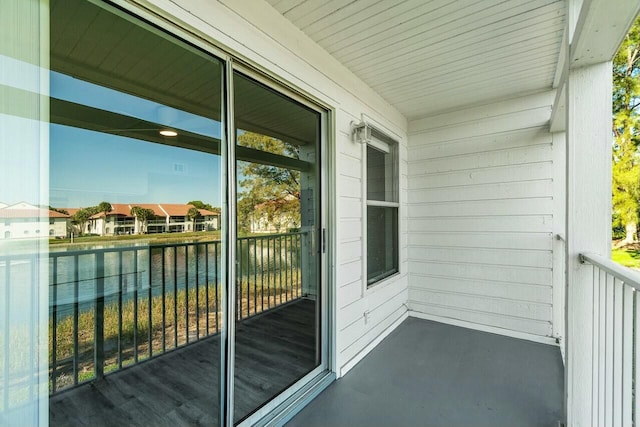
(143, 215)
(626, 130)
(201, 205)
(193, 213)
(62, 211)
(82, 216)
(266, 191)
(628, 258)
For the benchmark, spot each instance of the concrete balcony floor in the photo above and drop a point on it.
(431, 374)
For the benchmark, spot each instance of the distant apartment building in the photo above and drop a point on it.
(167, 218)
(26, 221)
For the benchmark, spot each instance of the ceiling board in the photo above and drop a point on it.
(426, 56)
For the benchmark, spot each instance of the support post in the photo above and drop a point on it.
(588, 221)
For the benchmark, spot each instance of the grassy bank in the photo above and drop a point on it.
(189, 305)
(193, 236)
(627, 257)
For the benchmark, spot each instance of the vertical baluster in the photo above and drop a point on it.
(135, 305)
(286, 268)
(290, 255)
(617, 352)
(627, 355)
(186, 291)
(262, 274)
(636, 358)
(150, 296)
(120, 288)
(7, 336)
(248, 272)
(76, 318)
(99, 317)
(268, 273)
(609, 352)
(602, 342)
(163, 282)
(596, 343)
(299, 272)
(54, 324)
(33, 320)
(237, 279)
(206, 287)
(278, 241)
(255, 275)
(215, 272)
(175, 296)
(197, 273)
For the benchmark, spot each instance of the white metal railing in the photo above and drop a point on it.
(616, 344)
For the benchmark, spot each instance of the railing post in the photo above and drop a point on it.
(98, 334)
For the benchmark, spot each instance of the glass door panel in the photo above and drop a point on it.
(277, 337)
(135, 223)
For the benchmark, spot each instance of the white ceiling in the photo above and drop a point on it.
(428, 56)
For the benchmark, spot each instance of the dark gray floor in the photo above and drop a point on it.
(180, 388)
(430, 374)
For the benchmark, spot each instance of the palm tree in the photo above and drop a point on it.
(143, 215)
(105, 208)
(194, 213)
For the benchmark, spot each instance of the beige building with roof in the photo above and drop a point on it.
(169, 218)
(26, 221)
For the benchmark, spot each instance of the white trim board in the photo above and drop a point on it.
(373, 344)
(485, 328)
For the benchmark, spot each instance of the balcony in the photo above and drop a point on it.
(123, 319)
(431, 374)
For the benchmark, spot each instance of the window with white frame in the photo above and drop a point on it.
(382, 207)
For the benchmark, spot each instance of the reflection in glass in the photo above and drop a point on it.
(277, 283)
(135, 171)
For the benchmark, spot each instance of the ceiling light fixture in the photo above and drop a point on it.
(168, 132)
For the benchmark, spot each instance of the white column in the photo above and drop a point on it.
(24, 174)
(589, 106)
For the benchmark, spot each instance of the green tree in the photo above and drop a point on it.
(201, 205)
(626, 132)
(193, 214)
(143, 215)
(62, 211)
(81, 217)
(104, 208)
(268, 191)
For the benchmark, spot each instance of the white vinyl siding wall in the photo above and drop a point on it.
(481, 205)
(385, 304)
(258, 33)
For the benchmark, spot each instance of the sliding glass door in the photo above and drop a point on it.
(184, 228)
(277, 329)
(136, 189)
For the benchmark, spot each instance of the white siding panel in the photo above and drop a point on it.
(502, 240)
(348, 294)
(350, 166)
(349, 229)
(483, 288)
(481, 303)
(350, 250)
(481, 215)
(349, 272)
(507, 157)
(518, 258)
(511, 323)
(503, 190)
(528, 223)
(350, 207)
(515, 206)
(499, 273)
(350, 187)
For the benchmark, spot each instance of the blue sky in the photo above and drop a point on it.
(88, 167)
